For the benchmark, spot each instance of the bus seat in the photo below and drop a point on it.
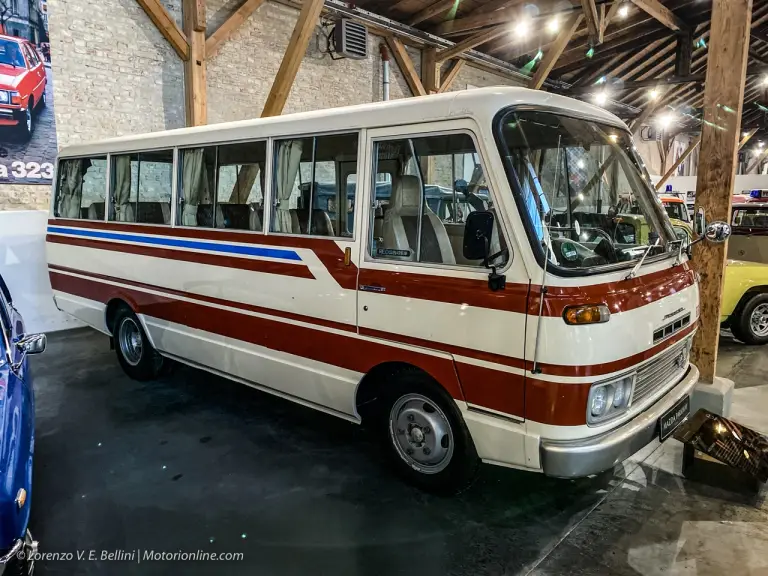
(236, 216)
(401, 225)
(321, 222)
(96, 211)
(153, 213)
(205, 216)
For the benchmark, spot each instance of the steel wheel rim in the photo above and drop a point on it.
(758, 321)
(421, 433)
(130, 341)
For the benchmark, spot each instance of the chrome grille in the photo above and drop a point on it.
(661, 371)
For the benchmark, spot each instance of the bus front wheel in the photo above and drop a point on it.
(425, 436)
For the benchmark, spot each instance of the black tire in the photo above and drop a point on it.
(458, 468)
(134, 352)
(16, 567)
(741, 322)
(26, 125)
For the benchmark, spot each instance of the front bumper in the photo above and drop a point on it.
(579, 458)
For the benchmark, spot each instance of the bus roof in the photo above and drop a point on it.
(481, 104)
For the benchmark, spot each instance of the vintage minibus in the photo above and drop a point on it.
(513, 326)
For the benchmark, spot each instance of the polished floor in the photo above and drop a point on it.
(196, 463)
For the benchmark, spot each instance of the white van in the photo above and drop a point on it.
(386, 263)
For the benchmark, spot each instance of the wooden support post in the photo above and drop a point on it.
(593, 22)
(554, 52)
(198, 16)
(684, 53)
(450, 77)
(661, 13)
(430, 70)
(723, 101)
(294, 54)
(472, 42)
(223, 33)
(406, 66)
(691, 147)
(194, 68)
(167, 26)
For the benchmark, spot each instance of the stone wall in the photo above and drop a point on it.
(114, 74)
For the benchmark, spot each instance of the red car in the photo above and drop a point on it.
(22, 83)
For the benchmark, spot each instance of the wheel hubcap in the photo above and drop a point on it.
(759, 320)
(421, 433)
(129, 338)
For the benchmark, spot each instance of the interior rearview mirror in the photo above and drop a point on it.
(477, 235)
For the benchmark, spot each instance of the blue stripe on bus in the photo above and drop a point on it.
(179, 243)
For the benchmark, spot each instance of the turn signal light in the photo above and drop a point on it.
(587, 314)
(15, 98)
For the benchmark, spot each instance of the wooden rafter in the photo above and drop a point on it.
(289, 67)
(593, 23)
(434, 9)
(747, 137)
(691, 147)
(225, 31)
(472, 42)
(451, 75)
(609, 16)
(551, 56)
(167, 26)
(406, 66)
(661, 13)
(491, 13)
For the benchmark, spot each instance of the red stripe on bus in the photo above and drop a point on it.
(557, 403)
(326, 250)
(263, 266)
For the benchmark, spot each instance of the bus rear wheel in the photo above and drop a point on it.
(136, 355)
(425, 436)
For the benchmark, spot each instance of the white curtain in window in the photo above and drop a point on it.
(122, 193)
(194, 185)
(288, 161)
(71, 192)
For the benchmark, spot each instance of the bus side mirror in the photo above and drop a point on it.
(477, 235)
(717, 232)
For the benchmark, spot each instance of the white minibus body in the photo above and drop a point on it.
(387, 262)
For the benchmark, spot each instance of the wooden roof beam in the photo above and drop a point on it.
(230, 26)
(661, 13)
(472, 42)
(294, 54)
(609, 16)
(450, 77)
(167, 26)
(691, 147)
(493, 12)
(433, 9)
(593, 23)
(548, 62)
(406, 66)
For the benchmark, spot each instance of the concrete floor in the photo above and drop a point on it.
(194, 462)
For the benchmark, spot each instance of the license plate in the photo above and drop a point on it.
(673, 417)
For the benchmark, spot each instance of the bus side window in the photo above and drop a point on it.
(197, 182)
(141, 187)
(240, 186)
(310, 197)
(81, 188)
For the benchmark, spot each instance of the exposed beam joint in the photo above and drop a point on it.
(406, 66)
(294, 54)
(554, 52)
(167, 26)
(225, 31)
(430, 70)
(661, 13)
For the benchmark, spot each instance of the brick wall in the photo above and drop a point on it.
(114, 74)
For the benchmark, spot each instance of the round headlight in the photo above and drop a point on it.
(599, 401)
(619, 394)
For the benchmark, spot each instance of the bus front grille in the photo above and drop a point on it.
(669, 367)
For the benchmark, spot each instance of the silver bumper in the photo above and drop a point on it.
(578, 458)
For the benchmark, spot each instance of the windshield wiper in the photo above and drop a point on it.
(633, 273)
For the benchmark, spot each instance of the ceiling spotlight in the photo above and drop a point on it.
(553, 25)
(521, 29)
(666, 120)
(760, 144)
(601, 98)
(624, 10)
(765, 81)
(744, 134)
(614, 137)
(653, 94)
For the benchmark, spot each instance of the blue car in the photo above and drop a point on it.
(17, 438)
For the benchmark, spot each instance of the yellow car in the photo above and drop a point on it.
(744, 308)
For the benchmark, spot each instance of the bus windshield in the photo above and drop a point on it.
(588, 202)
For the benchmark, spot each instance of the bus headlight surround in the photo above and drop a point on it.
(609, 399)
